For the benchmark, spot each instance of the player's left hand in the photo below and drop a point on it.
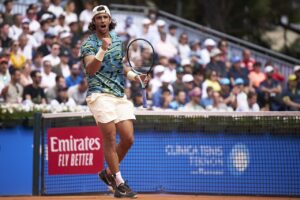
(145, 78)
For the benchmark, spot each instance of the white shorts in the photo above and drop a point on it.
(107, 107)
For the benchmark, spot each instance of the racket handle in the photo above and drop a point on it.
(144, 98)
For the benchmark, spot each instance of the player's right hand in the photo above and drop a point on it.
(106, 42)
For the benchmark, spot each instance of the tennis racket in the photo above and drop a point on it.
(140, 57)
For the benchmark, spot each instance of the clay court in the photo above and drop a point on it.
(148, 197)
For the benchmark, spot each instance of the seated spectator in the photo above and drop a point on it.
(207, 102)
(187, 66)
(165, 98)
(170, 70)
(78, 92)
(70, 14)
(225, 92)
(237, 71)
(193, 105)
(127, 29)
(63, 98)
(211, 81)
(195, 54)
(252, 102)
(256, 76)
(86, 15)
(63, 69)
(164, 48)
(25, 75)
(155, 82)
(241, 101)
(5, 41)
(183, 46)
(218, 104)
(188, 83)
(56, 8)
(8, 17)
(248, 61)
(179, 101)
(16, 29)
(178, 84)
(75, 77)
(33, 93)
(216, 64)
(199, 76)
(158, 95)
(17, 59)
(171, 35)
(53, 56)
(52, 92)
(209, 44)
(223, 46)
(48, 77)
(25, 48)
(4, 73)
(31, 42)
(269, 92)
(12, 92)
(291, 95)
(137, 99)
(34, 25)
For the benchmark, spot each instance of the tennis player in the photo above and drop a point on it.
(102, 58)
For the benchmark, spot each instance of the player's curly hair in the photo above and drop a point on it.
(92, 26)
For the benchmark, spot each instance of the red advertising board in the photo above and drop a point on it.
(75, 150)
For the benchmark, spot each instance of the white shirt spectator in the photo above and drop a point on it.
(56, 10)
(48, 80)
(14, 32)
(172, 39)
(184, 50)
(165, 49)
(27, 52)
(78, 97)
(70, 103)
(170, 73)
(85, 17)
(54, 60)
(70, 17)
(204, 56)
(242, 102)
(65, 69)
(39, 37)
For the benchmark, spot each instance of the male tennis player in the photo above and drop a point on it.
(102, 58)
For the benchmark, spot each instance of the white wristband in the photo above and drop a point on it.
(100, 55)
(131, 75)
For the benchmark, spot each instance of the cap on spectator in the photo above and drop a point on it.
(214, 52)
(185, 61)
(165, 78)
(158, 69)
(196, 92)
(239, 81)
(209, 42)
(161, 22)
(179, 70)
(3, 60)
(292, 77)
(46, 17)
(235, 59)
(101, 9)
(225, 81)
(64, 53)
(25, 21)
(65, 34)
(269, 69)
(146, 21)
(72, 21)
(297, 68)
(187, 78)
(49, 35)
(194, 42)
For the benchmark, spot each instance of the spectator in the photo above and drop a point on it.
(78, 92)
(4, 73)
(45, 10)
(178, 84)
(40, 35)
(170, 70)
(137, 99)
(37, 61)
(297, 73)
(75, 54)
(237, 71)
(171, 35)
(48, 77)
(207, 102)
(161, 24)
(63, 69)
(70, 15)
(195, 54)
(209, 44)
(16, 29)
(223, 46)
(25, 48)
(188, 83)
(34, 25)
(32, 43)
(183, 46)
(12, 92)
(63, 98)
(216, 64)
(225, 92)
(164, 48)
(193, 105)
(61, 25)
(179, 101)
(160, 99)
(187, 66)
(8, 14)
(66, 40)
(75, 32)
(248, 61)
(252, 102)
(145, 33)
(291, 95)
(165, 98)
(269, 91)
(241, 101)
(53, 56)
(256, 76)
(33, 93)
(218, 104)
(75, 77)
(127, 29)
(52, 92)
(25, 75)
(5, 40)
(17, 59)
(155, 82)
(86, 15)
(45, 48)
(56, 8)
(211, 81)
(198, 77)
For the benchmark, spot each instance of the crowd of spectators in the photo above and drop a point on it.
(40, 63)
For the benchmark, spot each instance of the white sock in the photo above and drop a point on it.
(118, 178)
